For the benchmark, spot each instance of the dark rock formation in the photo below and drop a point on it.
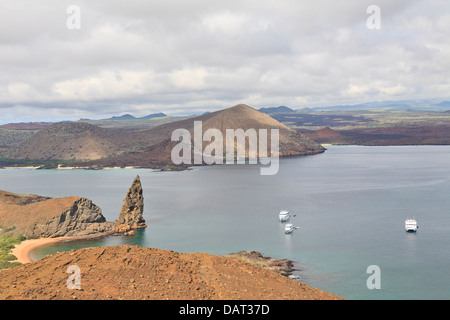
(130, 216)
(82, 219)
(285, 267)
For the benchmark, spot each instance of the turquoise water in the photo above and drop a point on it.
(350, 202)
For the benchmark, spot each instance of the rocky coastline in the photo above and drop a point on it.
(284, 267)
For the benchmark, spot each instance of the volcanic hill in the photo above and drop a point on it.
(75, 141)
(291, 142)
(132, 272)
(88, 145)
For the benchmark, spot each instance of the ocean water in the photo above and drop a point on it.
(350, 204)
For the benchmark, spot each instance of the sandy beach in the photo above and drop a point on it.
(23, 249)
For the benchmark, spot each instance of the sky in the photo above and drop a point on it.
(71, 59)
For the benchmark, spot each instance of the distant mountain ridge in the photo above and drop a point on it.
(425, 105)
(128, 116)
(276, 109)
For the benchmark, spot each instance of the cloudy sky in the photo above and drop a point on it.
(142, 57)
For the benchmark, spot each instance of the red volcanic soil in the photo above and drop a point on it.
(132, 272)
(325, 135)
(400, 135)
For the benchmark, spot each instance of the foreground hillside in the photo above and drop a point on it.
(131, 272)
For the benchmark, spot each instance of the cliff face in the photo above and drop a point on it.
(36, 216)
(83, 218)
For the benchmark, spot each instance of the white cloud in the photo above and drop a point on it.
(146, 56)
(106, 85)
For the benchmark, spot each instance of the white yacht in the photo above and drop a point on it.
(284, 215)
(288, 228)
(411, 225)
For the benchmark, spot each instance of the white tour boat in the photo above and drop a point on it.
(411, 225)
(284, 215)
(288, 228)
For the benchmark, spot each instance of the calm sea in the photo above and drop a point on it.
(350, 204)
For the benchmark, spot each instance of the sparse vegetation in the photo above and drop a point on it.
(172, 168)
(9, 138)
(359, 119)
(7, 242)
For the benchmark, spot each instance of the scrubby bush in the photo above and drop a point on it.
(6, 244)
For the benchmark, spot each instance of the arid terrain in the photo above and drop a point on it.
(132, 272)
(146, 142)
(83, 144)
(370, 127)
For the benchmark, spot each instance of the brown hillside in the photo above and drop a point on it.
(78, 140)
(292, 143)
(82, 141)
(131, 272)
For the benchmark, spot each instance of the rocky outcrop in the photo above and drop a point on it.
(130, 216)
(42, 217)
(82, 219)
(285, 267)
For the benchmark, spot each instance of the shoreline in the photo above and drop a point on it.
(22, 250)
